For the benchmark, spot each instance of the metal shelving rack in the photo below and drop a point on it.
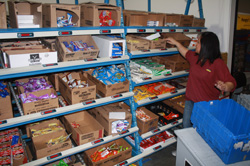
(12, 73)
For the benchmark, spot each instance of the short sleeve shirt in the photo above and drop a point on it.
(201, 80)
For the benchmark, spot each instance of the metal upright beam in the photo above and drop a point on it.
(187, 7)
(106, 1)
(200, 8)
(57, 1)
(149, 5)
(76, 2)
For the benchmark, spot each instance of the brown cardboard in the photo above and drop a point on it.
(24, 8)
(63, 55)
(112, 160)
(146, 126)
(108, 90)
(77, 95)
(198, 22)
(153, 44)
(23, 159)
(89, 129)
(157, 17)
(135, 18)
(40, 105)
(101, 114)
(180, 37)
(50, 43)
(176, 63)
(43, 125)
(179, 19)
(136, 44)
(52, 11)
(54, 79)
(177, 103)
(3, 20)
(30, 125)
(6, 107)
(90, 13)
(224, 57)
(41, 148)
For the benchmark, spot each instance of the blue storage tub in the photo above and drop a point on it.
(225, 126)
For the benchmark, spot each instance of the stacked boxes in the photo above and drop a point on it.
(5, 102)
(180, 37)
(25, 14)
(179, 20)
(135, 18)
(136, 44)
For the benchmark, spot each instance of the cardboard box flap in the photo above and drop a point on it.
(115, 107)
(18, 52)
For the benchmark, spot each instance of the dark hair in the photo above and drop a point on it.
(210, 48)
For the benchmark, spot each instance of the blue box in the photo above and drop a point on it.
(225, 126)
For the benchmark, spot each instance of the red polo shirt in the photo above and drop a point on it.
(201, 80)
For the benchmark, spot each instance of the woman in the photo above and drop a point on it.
(208, 74)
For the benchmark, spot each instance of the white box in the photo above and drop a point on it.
(28, 25)
(105, 44)
(23, 58)
(25, 17)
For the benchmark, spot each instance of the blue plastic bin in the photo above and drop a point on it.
(225, 126)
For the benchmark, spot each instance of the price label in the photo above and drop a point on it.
(21, 35)
(105, 31)
(152, 98)
(90, 59)
(3, 122)
(88, 102)
(52, 64)
(54, 156)
(97, 141)
(64, 33)
(48, 112)
(157, 148)
(156, 130)
(124, 132)
(141, 30)
(122, 163)
(116, 96)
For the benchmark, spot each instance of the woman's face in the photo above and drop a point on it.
(198, 46)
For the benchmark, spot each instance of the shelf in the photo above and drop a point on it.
(142, 29)
(147, 152)
(52, 32)
(159, 98)
(31, 118)
(161, 129)
(59, 67)
(149, 80)
(155, 52)
(81, 148)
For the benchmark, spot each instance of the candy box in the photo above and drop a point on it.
(5, 104)
(108, 90)
(77, 94)
(66, 54)
(136, 44)
(112, 160)
(53, 12)
(100, 14)
(105, 116)
(83, 126)
(42, 149)
(135, 18)
(153, 44)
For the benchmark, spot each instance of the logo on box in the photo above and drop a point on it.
(34, 58)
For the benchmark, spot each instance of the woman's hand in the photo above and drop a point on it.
(183, 50)
(171, 40)
(224, 86)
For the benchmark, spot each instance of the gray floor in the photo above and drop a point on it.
(162, 158)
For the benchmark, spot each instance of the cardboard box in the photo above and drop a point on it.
(54, 79)
(112, 160)
(108, 90)
(77, 95)
(52, 11)
(70, 161)
(50, 43)
(176, 63)
(24, 8)
(136, 44)
(63, 55)
(90, 13)
(224, 57)
(158, 18)
(89, 129)
(180, 37)
(102, 114)
(153, 44)
(198, 22)
(135, 18)
(105, 44)
(179, 20)
(177, 103)
(3, 20)
(146, 126)
(6, 107)
(41, 148)
(22, 58)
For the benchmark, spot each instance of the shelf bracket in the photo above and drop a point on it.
(199, 6)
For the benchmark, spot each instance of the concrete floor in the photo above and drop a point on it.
(163, 157)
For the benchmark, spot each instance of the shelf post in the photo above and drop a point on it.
(187, 7)
(76, 2)
(106, 1)
(149, 5)
(200, 9)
